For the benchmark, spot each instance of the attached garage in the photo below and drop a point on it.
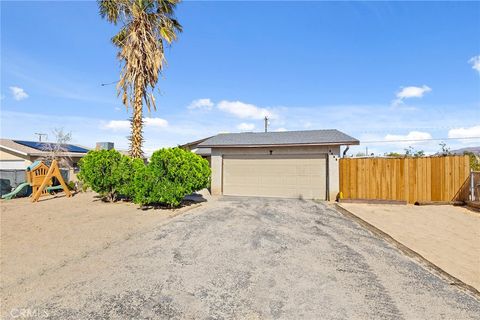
(288, 176)
(292, 164)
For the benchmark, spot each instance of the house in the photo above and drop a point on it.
(291, 164)
(193, 146)
(18, 154)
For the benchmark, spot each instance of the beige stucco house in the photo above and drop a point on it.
(292, 164)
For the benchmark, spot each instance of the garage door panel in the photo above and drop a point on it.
(275, 176)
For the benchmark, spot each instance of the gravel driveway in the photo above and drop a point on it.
(247, 258)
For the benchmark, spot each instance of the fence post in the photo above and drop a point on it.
(472, 186)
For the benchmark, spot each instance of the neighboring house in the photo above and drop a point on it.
(292, 164)
(193, 146)
(18, 154)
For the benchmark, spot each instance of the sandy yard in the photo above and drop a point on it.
(44, 236)
(447, 236)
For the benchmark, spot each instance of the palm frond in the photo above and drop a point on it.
(109, 9)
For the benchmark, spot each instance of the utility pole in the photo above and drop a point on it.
(40, 135)
(266, 123)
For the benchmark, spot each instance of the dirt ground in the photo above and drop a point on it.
(40, 237)
(447, 236)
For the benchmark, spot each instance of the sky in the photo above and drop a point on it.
(378, 71)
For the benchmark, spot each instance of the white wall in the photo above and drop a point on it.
(10, 160)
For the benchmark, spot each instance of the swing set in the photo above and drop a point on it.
(40, 177)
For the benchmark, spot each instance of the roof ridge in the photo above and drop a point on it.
(300, 137)
(289, 131)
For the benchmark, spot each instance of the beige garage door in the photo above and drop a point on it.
(275, 176)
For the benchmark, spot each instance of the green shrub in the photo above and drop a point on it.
(125, 173)
(474, 160)
(171, 174)
(71, 185)
(109, 173)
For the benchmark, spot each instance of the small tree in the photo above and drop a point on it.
(419, 153)
(394, 154)
(58, 150)
(444, 150)
(474, 160)
(411, 152)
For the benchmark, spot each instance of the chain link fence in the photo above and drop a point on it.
(10, 179)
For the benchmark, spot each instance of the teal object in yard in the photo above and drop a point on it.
(15, 192)
(55, 188)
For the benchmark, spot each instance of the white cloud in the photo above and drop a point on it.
(280, 129)
(475, 62)
(117, 125)
(125, 124)
(246, 126)
(464, 132)
(244, 110)
(410, 92)
(155, 122)
(413, 92)
(412, 135)
(206, 104)
(18, 93)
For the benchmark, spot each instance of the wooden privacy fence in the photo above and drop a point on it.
(403, 179)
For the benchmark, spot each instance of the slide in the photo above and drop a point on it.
(17, 190)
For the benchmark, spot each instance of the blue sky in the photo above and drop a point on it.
(379, 71)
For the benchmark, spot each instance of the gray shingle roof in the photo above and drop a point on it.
(310, 137)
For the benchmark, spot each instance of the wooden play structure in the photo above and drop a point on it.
(39, 176)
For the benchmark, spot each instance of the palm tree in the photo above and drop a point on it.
(146, 26)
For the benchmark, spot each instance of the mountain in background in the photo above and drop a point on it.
(475, 150)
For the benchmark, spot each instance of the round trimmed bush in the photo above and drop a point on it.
(109, 173)
(171, 174)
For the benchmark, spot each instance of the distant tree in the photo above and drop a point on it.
(394, 154)
(444, 150)
(57, 150)
(360, 154)
(474, 160)
(146, 27)
(411, 152)
(419, 153)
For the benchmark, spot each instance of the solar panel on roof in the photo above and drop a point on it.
(46, 145)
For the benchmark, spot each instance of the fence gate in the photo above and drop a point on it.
(403, 179)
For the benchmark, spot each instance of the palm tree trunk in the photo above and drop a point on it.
(136, 138)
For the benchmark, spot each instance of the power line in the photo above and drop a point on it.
(416, 128)
(418, 140)
(107, 84)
